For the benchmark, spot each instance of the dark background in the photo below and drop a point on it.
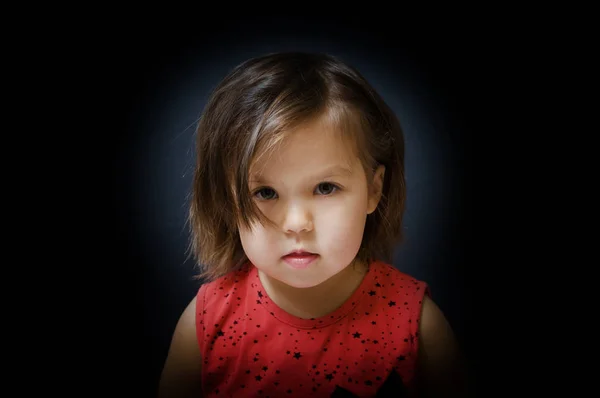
(157, 80)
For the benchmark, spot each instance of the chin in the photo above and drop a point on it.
(301, 283)
(303, 279)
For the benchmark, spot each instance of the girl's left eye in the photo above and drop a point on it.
(327, 188)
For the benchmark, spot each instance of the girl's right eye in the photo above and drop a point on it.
(265, 194)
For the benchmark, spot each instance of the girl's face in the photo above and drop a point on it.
(315, 191)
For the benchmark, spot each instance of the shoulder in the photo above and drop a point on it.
(440, 361)
(434, 329)
(180, 376)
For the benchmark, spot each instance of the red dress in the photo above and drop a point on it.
(365, 348)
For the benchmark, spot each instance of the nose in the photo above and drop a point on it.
(297, 219)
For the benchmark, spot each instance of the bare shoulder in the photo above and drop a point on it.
(442, 370)
(180, 376)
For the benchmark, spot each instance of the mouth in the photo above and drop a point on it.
(299, 253)
(300, 258)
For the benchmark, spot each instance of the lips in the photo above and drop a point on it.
(299, 253)
(300, 259)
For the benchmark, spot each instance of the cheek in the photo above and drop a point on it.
(341, 227)
(256, 243)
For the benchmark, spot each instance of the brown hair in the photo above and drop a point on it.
(250, 112)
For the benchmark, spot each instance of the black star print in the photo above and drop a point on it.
(372, 293)
(373, 323)
(220, 333)
(260, 294)
(392, 303)
(356, 335)
(297, 355)
(288, 353)
(329, 376)
(265, 368)
(377, 284)
(258, 378)
(258, 302)
(401, 358)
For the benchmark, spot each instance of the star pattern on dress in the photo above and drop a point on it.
(361, 344)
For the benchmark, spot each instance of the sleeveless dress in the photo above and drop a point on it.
(366, 348)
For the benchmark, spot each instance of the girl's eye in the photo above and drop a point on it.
(265, 194)
(327, 188)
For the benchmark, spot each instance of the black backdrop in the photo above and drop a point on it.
(159, 79)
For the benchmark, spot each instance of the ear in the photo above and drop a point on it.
(376, 188)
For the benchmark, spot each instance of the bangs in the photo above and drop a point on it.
(347, 126)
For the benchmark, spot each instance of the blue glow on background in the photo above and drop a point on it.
(157, 165)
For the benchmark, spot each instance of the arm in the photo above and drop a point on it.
(180, 377)
(441, 367)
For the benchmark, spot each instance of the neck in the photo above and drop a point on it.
(316, 301)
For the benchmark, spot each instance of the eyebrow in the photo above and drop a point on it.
(332, 171)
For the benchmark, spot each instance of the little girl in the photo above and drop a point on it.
(298, 198)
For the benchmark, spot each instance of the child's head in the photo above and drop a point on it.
(296, 151)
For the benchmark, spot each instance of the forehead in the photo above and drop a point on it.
(307, 149)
